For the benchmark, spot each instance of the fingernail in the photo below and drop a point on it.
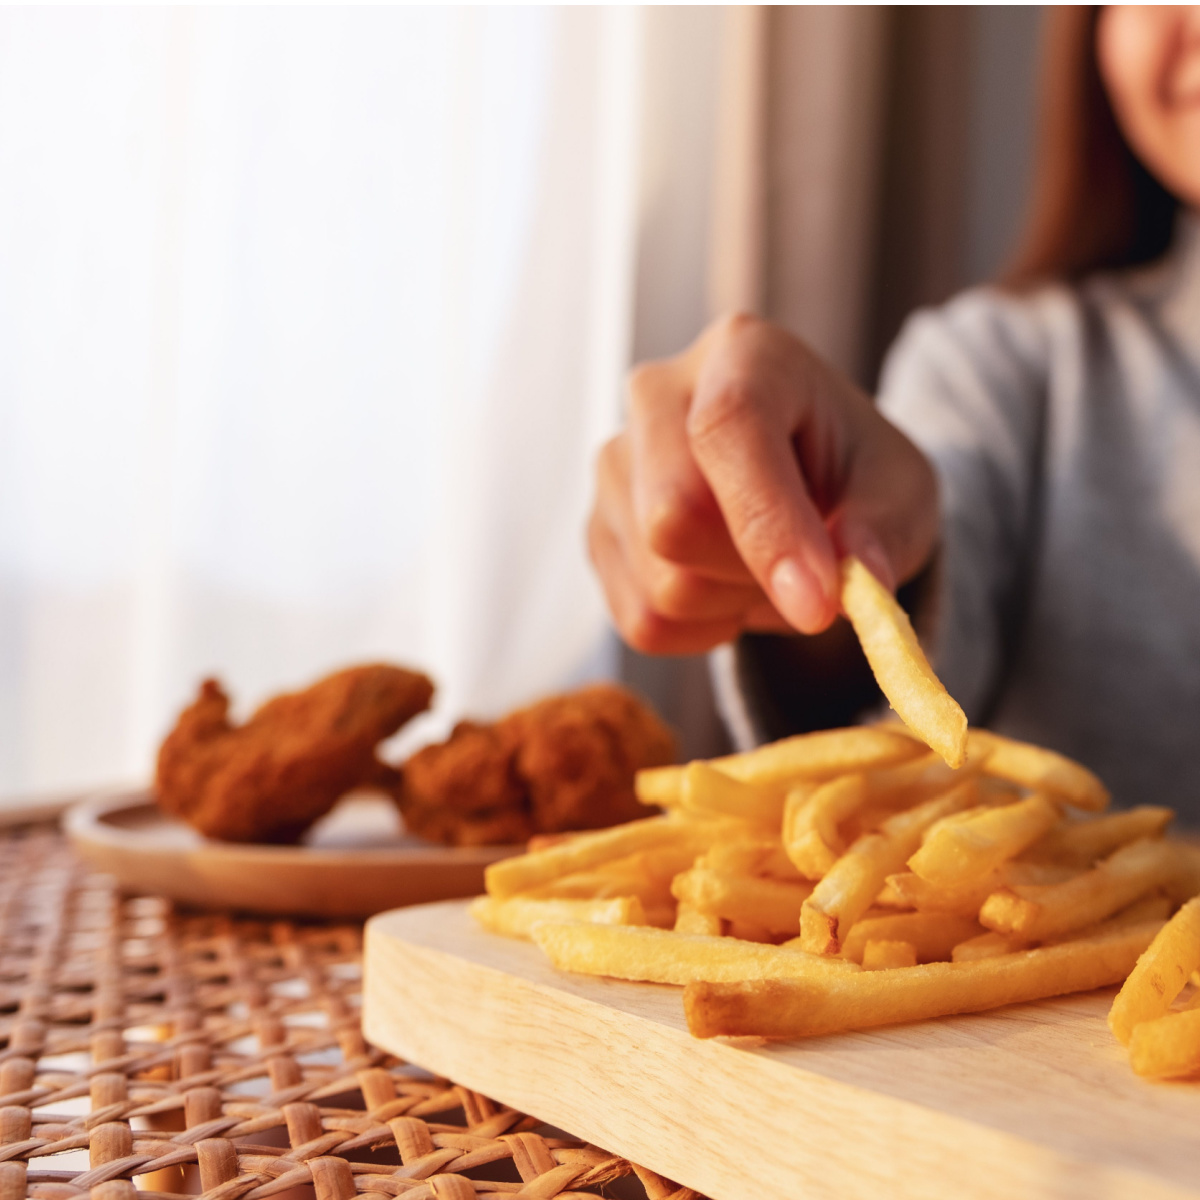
(798, 595)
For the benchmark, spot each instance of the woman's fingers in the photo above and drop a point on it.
(747, 469)
(744, 425)
(888, 514)
(675, 512)
(637, 622)
(666, 588)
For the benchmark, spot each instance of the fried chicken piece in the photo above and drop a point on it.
(473, 771)
(269, 779)
(566, 762)
(499, 827)
(465, 791)
(578, 754)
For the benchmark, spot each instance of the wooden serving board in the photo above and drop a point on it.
(1036, 1100)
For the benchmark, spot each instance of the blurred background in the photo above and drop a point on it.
(312, 320)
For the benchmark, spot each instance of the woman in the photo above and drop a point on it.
(1032, 462)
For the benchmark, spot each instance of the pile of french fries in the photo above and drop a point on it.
(859, 877)
(849, 878)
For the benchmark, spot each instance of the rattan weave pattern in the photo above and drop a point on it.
(149, 1052)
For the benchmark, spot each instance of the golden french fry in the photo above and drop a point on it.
(646, 874)
(932, 935)
(906, 890)
(708, 792)
(888, 955)
(820, 1004)
(1041, 770)
(1084, 843)
(772, 904)
(1167, 1047)
(660, 956)
(661, 916)
(1186, 883)
(511, 876)
(748, 931)
(1160, 973)
(517, 916)
(819, 755)
(955, 853)
(853, 882)
(811, 819)
(750, 856)
(1155, 907)
(1036, 913)
(918, 779)
(691, 919)
(900, 665)
(986, 945)
(659, 787)
(927, 770)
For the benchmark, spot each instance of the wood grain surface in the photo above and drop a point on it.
(1036, 1100)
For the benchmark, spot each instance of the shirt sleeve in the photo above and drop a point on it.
(967, 383)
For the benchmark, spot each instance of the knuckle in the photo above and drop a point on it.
(729, 405)
(644, 385)
(673, 593)
(735, 323)
(643, 629)
(674, 527)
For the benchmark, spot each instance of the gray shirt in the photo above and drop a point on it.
(1064, 425)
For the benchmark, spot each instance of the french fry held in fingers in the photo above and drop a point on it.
(1160, 974)
(957, 852)
(1037, 913)
(517, 916)
(849, 886)
(900, 666)
(659, 956)
(837, 1002)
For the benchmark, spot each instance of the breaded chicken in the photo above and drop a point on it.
(465, 791)
(578, 754)
(269, 779)
(566, 762)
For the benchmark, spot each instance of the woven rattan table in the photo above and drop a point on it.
(150, 1052)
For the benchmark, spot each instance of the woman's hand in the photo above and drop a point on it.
(748, 468)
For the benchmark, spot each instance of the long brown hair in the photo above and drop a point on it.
(1094, 205)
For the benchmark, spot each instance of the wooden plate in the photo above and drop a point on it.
(1035, 1101)
(354, 862)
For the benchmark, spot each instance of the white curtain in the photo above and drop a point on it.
(310, 323)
